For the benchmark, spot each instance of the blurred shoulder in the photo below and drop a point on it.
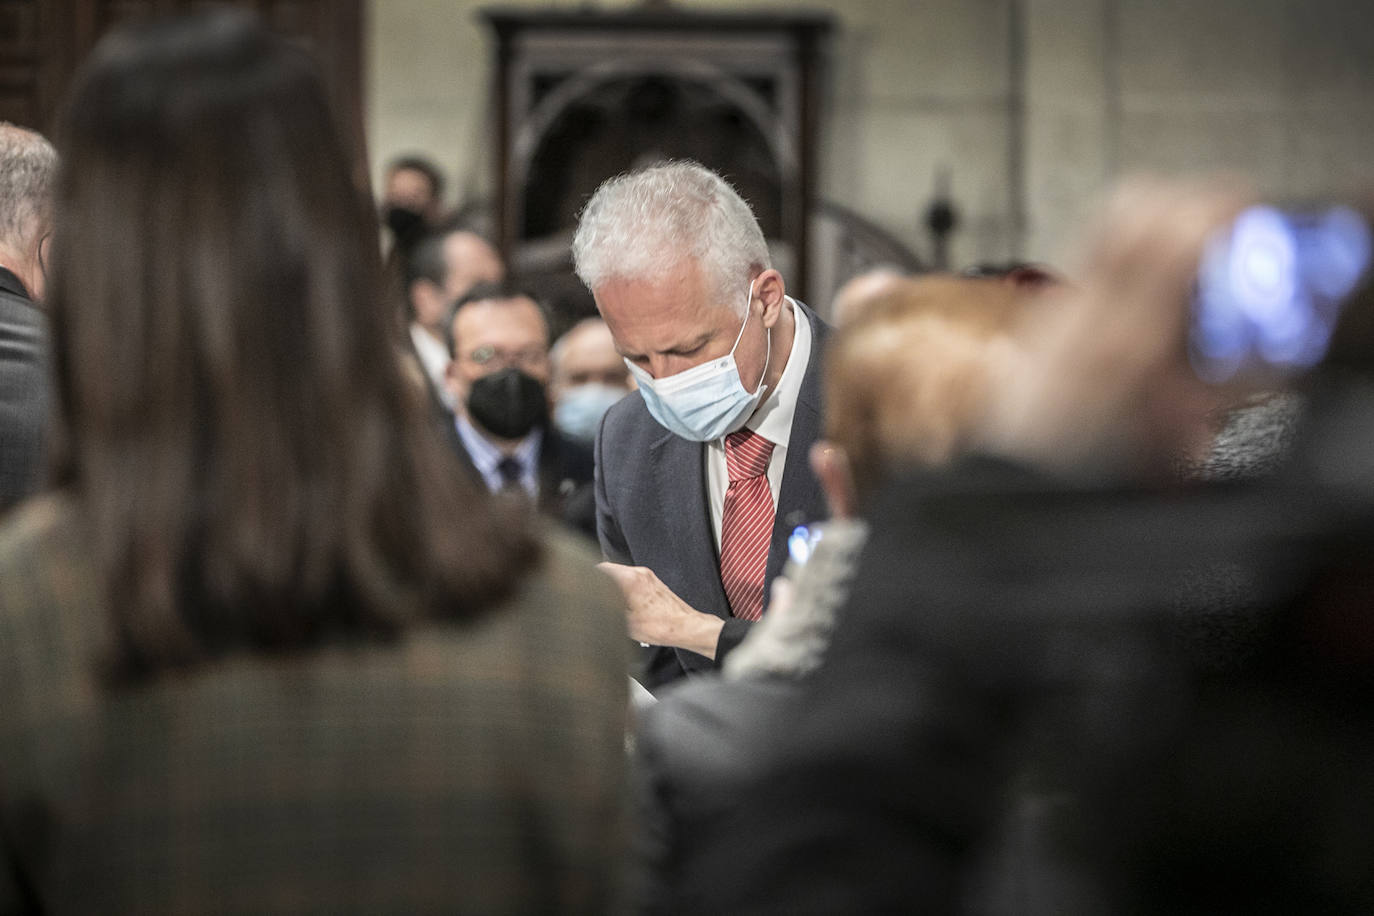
(569, 567)
(710, 732)
(569, 607)
(38, 546)
(51, 620)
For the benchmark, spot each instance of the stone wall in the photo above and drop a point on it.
(1032, 106)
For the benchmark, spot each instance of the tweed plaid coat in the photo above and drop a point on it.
(468, 768)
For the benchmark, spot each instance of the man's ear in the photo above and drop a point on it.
(41, 256)
(831, 466)
(770, 290)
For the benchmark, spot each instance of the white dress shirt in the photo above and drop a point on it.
(772, 420)
(486, 457)
(434, 360)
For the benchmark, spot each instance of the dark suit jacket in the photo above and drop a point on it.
(565, 476)
(651, 508)
(23, 390)
(459, 769)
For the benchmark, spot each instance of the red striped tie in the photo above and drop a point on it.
(746, 525)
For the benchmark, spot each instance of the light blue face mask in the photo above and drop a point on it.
(704, 402)
(580, 409)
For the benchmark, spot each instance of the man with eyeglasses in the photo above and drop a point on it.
(498, 379)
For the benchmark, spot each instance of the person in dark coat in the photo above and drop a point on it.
(1005, 720)
(28, 168)
(907, 377)
(702, 472)
(263, 648)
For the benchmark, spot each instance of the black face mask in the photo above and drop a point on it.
(508, 403)
(403, 222)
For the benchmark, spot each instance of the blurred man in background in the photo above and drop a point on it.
(441, 268)
(412, 198)
(28, 167)
(588, 377)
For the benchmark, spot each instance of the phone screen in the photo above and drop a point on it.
(1270, 289)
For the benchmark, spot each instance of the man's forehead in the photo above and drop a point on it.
(410, 180)
(659, 314)
(464, 245)
(507, 317)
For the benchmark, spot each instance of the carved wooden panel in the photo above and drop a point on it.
(584, 94)
(42, 42)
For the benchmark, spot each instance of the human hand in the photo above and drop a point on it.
(659, 617)
(1106, 381)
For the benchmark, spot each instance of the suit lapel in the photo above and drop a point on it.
(800, 498)
(680, 484)
(9, 283)
(448, 430)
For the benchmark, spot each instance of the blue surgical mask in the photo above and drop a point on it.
(704, 402)
(580, 409)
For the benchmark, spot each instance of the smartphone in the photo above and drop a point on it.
(801, 543)
(1270, 289)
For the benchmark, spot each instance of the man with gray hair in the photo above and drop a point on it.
(28, 166)
(703, 473)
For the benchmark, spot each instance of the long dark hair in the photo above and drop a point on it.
(233, 419)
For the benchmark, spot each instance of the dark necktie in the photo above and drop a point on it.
(746, 524)
(510, 470)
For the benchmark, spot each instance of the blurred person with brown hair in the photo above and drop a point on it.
(910, 376)
(862, 287)
(1109, 389)
(28, 167)
(907, 377)
(262, 648)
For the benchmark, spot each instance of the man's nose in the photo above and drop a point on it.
(659, 366)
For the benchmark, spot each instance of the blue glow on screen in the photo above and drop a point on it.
(1269, 289)
(802, 542)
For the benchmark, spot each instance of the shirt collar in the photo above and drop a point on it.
(432, 353)
(773, 419)
(10, 283)
(486, 456)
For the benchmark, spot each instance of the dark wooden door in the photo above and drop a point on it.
(42, 42)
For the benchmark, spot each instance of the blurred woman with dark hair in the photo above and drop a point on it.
(262, 647)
